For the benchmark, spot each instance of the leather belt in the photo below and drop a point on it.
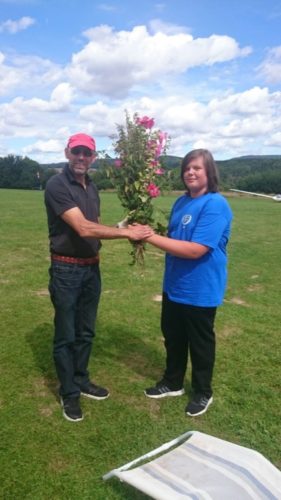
(75, 260)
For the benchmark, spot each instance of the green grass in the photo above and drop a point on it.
(42, 455)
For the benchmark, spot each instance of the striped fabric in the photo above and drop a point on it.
(205, 467)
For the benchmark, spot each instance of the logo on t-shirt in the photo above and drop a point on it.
(186, 219)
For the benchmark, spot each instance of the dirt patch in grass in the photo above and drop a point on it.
(255, 288)
(46, 411)
(153, 409)
(228, 331)
(42, 293)
(41, 387)
(58, 465)
(157, 298)
(237, 301)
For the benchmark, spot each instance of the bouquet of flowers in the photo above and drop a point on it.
(137, 173)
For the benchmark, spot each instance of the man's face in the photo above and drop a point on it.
(80, 159)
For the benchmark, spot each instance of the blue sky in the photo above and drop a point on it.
(208, 72)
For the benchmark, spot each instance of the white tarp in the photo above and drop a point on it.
(203, 467)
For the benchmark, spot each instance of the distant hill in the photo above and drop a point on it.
(251, 157)
(170, 161)
(251, 173)
(260, 173)
(45, 166)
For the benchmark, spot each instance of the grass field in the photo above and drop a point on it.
(45, 457)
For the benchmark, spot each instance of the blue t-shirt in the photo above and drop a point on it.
(205, 220)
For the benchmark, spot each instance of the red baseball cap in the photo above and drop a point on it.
(81, 140)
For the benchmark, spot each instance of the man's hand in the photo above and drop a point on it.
(88, 229)
(139, 232)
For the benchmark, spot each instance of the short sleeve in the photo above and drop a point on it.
(58, 196)
(213, 222)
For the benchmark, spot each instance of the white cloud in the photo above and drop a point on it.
(255, 126)
(112, 62)
(270, 68)
(45, 149)
(249, 102)
(231, 124)
(14, 27)
(236, 146)
(27, 71)
(59, 101)
(145, 71)
(274, 140)
(102, 118)
(9, 76)
(157, 25)
(61, 97)
(35, 117)
(50, 146)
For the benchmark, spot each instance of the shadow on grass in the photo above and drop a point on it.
(117, 345)
(114, 345)
(132, 349)
(41, 342)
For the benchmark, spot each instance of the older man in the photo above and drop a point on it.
(73, 210)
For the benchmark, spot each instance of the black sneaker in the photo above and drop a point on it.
(198, 405)
(71, 409)
(161, 390)
(95, 392)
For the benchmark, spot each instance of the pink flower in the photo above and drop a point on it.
(162, 137)
(161, 143)
(118, 163)
(154, 163)
(145, 122)
(153, 190)
(151, 145)
(159, 171)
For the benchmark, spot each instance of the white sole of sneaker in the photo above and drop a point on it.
(72, 419)
(67, 417)
(86, 395)
(165, 394)
(200, 412)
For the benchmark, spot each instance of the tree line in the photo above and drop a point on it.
(250, 173)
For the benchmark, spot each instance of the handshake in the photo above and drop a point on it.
(136, 232)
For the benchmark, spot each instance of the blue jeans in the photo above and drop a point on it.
(75, 292)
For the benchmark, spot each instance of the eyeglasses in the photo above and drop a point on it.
(79, 150)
